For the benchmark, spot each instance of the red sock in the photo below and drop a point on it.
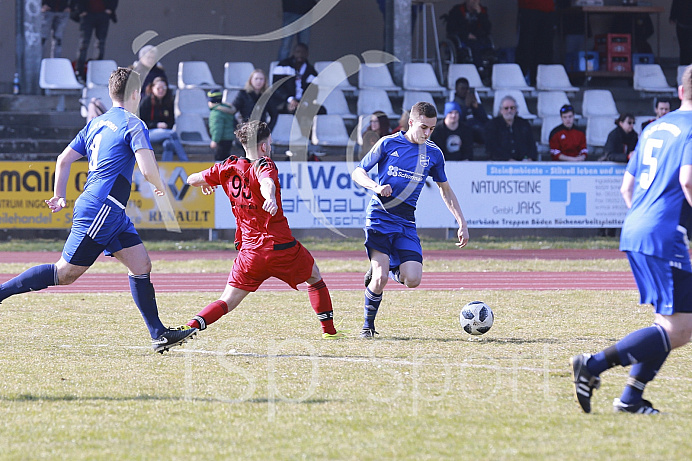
(209, 315)
(322, 304)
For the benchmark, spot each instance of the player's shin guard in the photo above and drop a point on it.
(209, 315)
(321, 302)
(643, 372)
(145, 298)
(33, 279)
(372, 304)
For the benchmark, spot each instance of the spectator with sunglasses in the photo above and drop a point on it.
(622, 140)
(508, 136)
(567, 141)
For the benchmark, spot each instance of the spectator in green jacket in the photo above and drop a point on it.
(221, 126)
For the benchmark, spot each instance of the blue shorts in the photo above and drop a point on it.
(667, 287)
(400, 244)
(97, 227)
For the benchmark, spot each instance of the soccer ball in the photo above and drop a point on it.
(476, 318)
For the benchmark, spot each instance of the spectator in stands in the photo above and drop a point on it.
(148, 67)
(54, 16)
(452, 135)
(222, 125)
(508, 136)
(471, 111)
(567, 141)
(681, 16)
(248, 97)
(292, 11)
(379, 126)
(156, 110)
(469, 22)
(93, 16)
(536, 33)
(621, 141)
(661, 108)
(403, 122)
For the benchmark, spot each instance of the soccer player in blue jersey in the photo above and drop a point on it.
(404, 160)
(657, 189)
(111, 143)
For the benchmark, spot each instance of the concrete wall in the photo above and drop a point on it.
(353, 26)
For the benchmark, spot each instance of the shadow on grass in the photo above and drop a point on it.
(480, 339)
(75, 398)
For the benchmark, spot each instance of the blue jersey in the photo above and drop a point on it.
(109, 142)
(654, 224)
(404, 166)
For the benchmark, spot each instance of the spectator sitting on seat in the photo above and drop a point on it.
(508, 136)
(452, 135)
(222, 124)
(379, 127)
(148, 67)
(567, 141)
(622, 140)
(471, 112)
(469, 22)
(156, 110)
(661, 108)
(403, 122)
(247, 98)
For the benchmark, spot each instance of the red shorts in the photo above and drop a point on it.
(252, 267)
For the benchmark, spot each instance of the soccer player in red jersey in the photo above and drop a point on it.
(266, 245)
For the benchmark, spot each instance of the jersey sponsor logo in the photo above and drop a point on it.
(406, 174)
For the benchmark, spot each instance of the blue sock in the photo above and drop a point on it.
(643, 372)
(372, 304)
(645, 345)
(145, 298)
(33, 279)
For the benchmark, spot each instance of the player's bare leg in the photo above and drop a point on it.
(410, 273)
(137, 261)
(229, 300)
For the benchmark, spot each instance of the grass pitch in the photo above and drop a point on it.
(80, 381)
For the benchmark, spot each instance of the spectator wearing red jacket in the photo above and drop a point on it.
(568, 142)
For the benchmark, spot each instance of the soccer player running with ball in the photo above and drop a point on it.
(265, 243)
(111, 143)
(404, 160)
(657, 188)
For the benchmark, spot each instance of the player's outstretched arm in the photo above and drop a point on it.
(686, 182)
(627, 188)
(450, 199)
(268, 190)
(360, 176)
(62, 174)
(150, 170)
(197, 180)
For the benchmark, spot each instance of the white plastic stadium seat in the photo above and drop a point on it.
(509, 76)
(99, 72)
(412, 97)
(57, 77)
(420, 76)
(638, 120)
(649, 78)
(550, 102)
(229, 96)
(285, 132)
(547, 126)
(597, 130)
(599, 103)
(329, 131)
(235, 74)
(100, 92)
(191, 101)
(470, 72)
(191, 130)
(193, 74)
(334, 101)
(553, 77)
(331, 74)
(522, 108)
(372, 100)
(376, 76)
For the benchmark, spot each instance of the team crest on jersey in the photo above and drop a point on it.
(424, 159)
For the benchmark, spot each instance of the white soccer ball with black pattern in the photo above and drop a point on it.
(476, 318)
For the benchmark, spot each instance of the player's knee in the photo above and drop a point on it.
(411, 282)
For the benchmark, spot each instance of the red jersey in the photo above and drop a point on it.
(547, 6)
(240, 178)
(566, 141)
